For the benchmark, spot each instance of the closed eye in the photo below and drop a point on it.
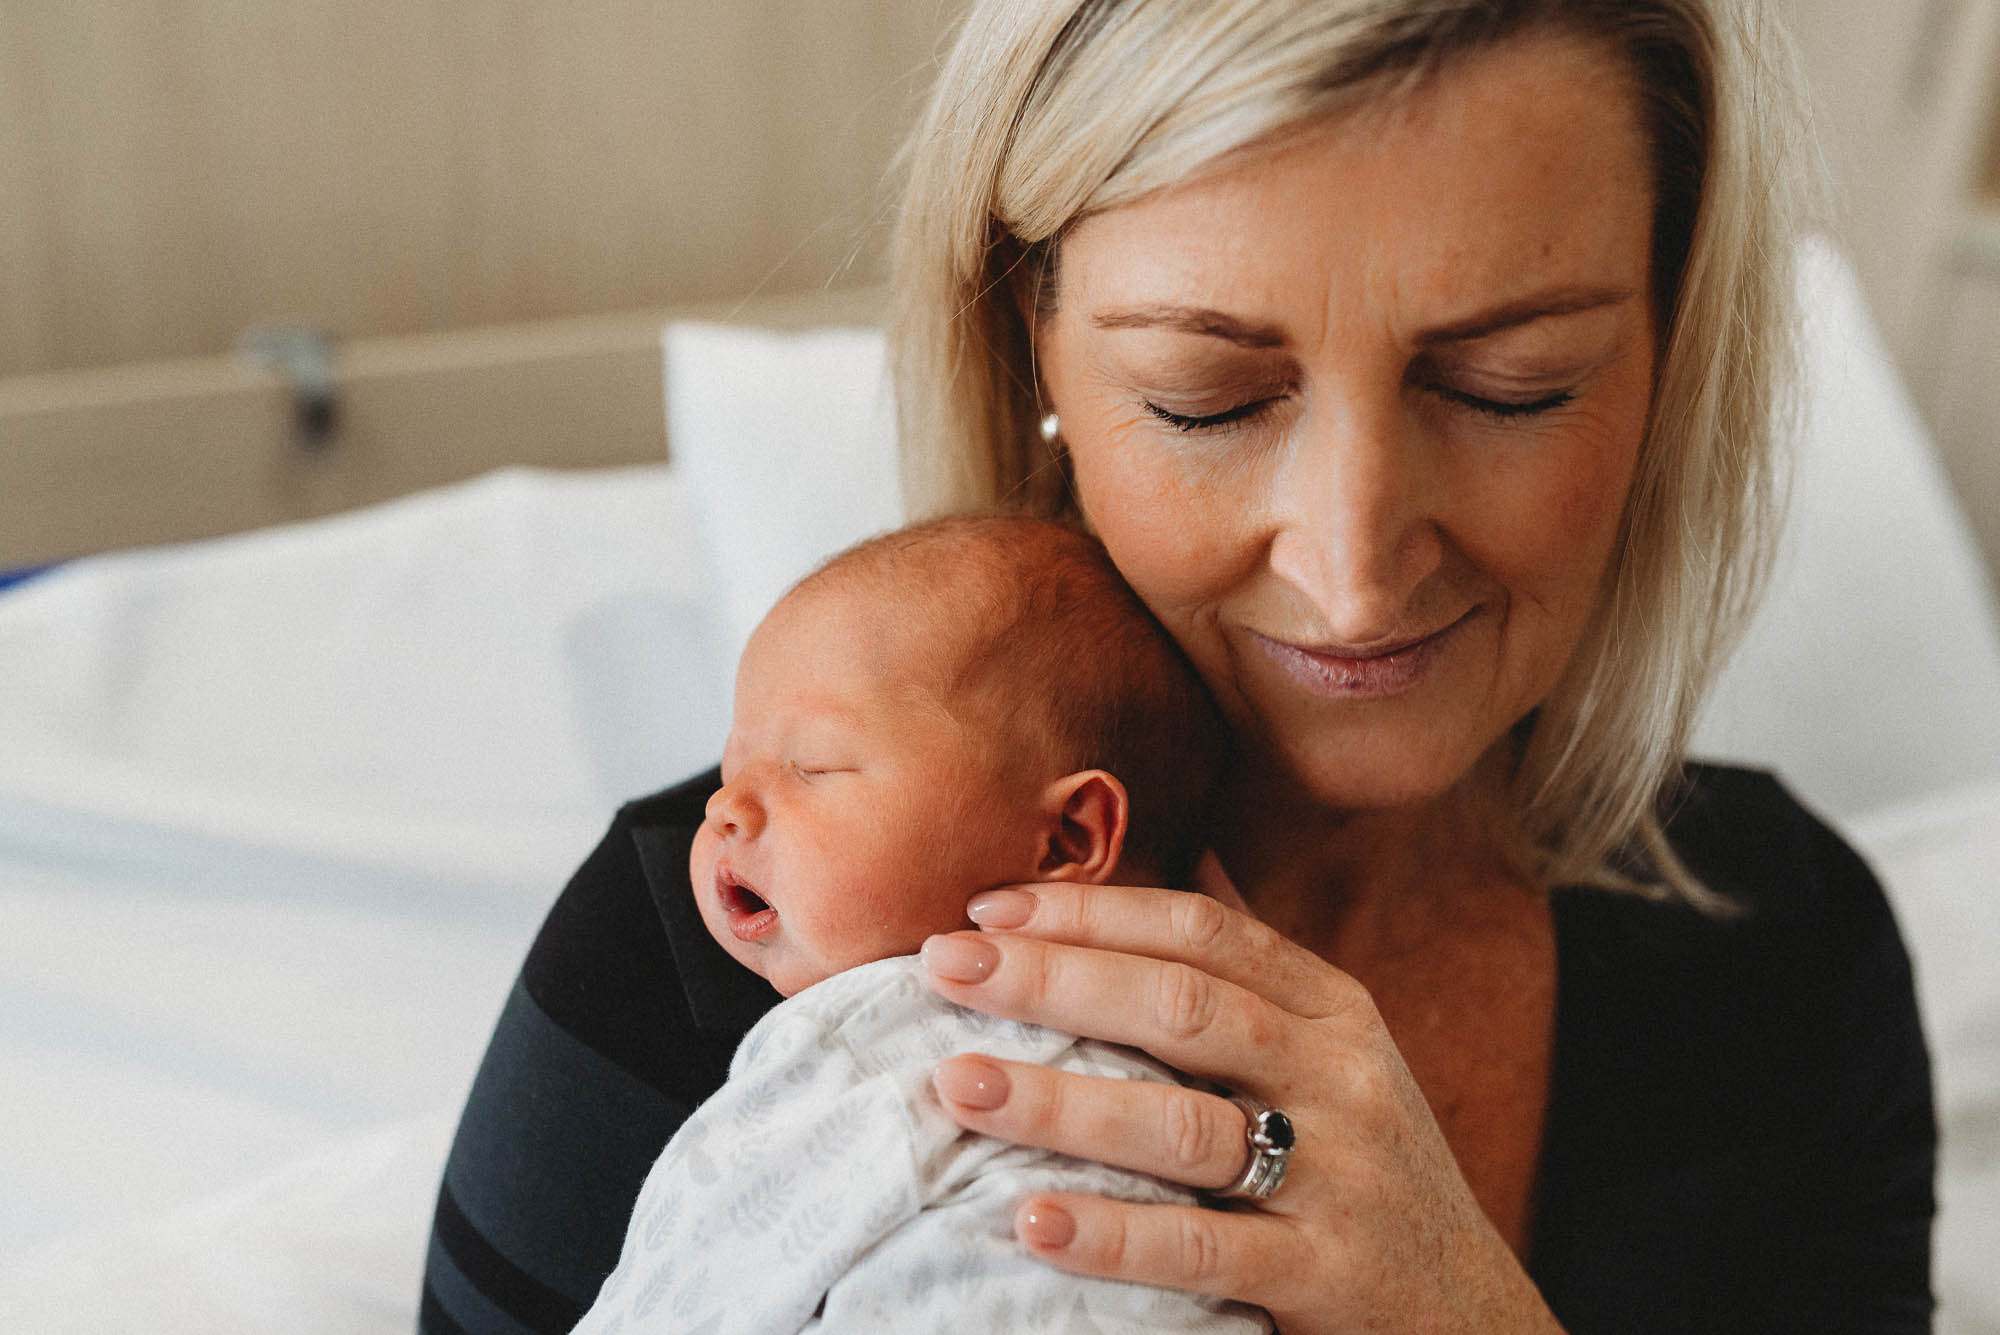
(1207, 421)
(819, 771)
(1504, 409)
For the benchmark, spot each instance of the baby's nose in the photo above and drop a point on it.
(733, 810)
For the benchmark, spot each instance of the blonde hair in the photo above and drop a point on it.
(1049, 110)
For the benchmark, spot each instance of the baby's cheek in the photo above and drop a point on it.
(885, 918)
(893, 924)
(701, 876)
(703, 852)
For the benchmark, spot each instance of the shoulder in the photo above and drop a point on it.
(620, 874)
(623, 964)
(884, 1018)
(868, 1021)
(606, 1043)
(681, 806)
(1801, 1000)
(1796, 886)
(1751, 841)
(883, 1021)
(1747, 1092)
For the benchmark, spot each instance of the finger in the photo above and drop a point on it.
(1189, 1019)
(1242, 1254)
(1169, 1131)
(1172, 925)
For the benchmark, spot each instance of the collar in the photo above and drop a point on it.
(722, 995)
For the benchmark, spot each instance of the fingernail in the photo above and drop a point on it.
(1045, 1227)
(971, 1082)
(1001, 908)
(960, 959)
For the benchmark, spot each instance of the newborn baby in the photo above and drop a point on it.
(961, 705)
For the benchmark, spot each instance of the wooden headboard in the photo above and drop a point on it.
(491, 209)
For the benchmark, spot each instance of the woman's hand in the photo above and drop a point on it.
(1374, 1227)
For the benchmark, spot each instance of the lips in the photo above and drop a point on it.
(750, 916)
(1385, 670)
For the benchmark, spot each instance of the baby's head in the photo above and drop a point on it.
(963, 704)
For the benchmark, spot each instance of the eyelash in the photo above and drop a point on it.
(1502, 409)
(1209, 421)
(806, 772)
(1496, 408)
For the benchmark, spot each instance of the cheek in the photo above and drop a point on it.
(887, 868)
(1141, 494)
(1169, 525)
(1551, 520)
(701, 868)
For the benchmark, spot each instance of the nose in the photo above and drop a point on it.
(733, 809)
(1359, 524)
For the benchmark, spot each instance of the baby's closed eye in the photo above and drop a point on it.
(819, 768)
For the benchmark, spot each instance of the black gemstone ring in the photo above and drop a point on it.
(1270, 1138)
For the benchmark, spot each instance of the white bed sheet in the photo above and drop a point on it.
(279, 815)
(332, 1242)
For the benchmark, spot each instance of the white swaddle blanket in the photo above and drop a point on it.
(823, 1188)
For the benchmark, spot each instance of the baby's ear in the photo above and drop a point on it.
(1085, 821)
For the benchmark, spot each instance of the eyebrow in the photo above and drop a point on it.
(1527, 310)
(1193, 320)
(1249, 334)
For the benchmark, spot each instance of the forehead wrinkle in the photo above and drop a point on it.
(1193, 320)
(1514, 313)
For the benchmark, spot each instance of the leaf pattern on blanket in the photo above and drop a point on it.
(824, 1188)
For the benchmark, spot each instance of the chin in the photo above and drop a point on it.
(1372, 792)
(1383, 771)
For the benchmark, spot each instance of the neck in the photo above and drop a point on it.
(1370, 883)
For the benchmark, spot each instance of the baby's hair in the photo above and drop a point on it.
(1054, 652)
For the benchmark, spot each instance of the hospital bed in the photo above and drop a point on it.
(281, 809)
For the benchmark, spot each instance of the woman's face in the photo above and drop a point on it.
(1357, 417)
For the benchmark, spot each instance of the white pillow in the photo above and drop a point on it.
(787, 439)
(279, 814)
(461, 684)
(1872, 673)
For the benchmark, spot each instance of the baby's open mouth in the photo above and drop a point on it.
(750, 916)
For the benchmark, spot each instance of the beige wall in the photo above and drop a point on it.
(1989, 178)
(1900, 93)
(178, 170)
(1905, 95)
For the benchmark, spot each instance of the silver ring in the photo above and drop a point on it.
(1270, 1138)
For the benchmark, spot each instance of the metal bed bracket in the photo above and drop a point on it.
(304, 357)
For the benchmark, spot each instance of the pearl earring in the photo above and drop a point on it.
(1051, 428)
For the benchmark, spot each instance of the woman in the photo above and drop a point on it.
(1415, 361)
